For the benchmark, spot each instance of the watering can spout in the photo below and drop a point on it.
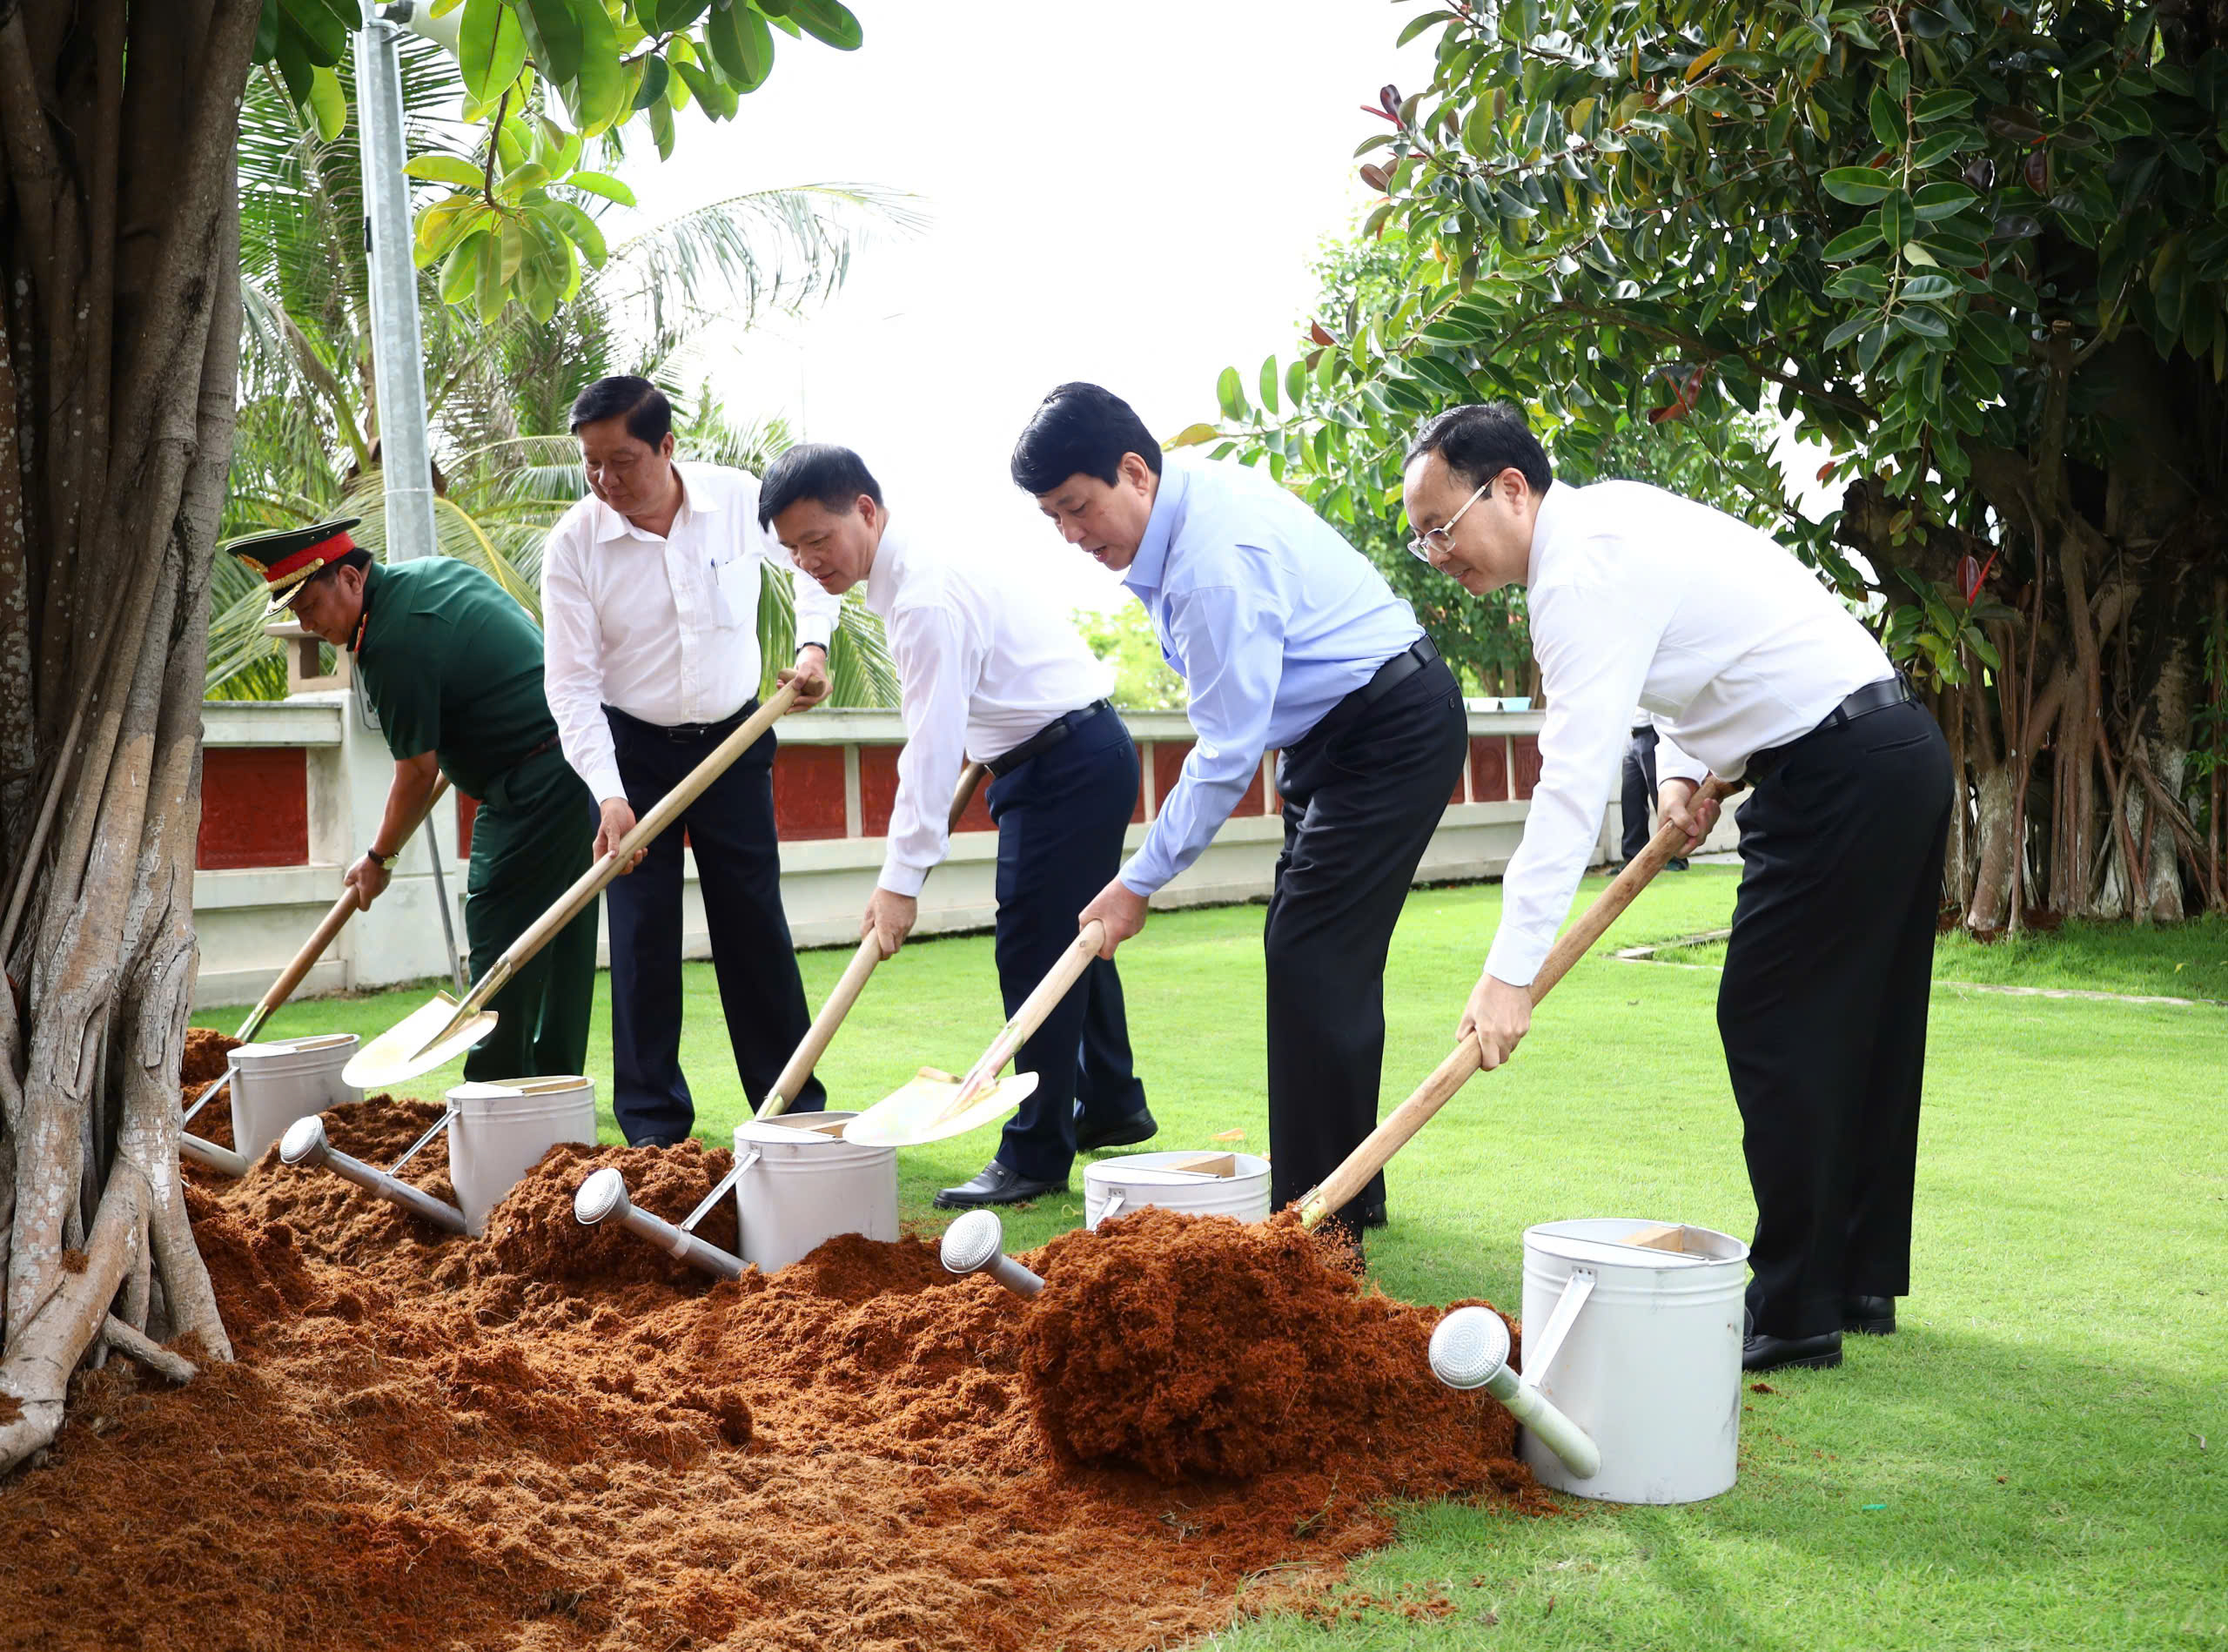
(1469, 1349)
(305, 1144)
(602, 1197)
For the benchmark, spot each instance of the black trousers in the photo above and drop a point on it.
(1061, 816)
(1639, 794)
(730, 829)
(1363, 792)
(1824, 1005)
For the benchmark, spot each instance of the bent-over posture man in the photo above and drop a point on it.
(1752, 670)
(1290, 642)
(649, 590)
(452, 666)
(991, 667)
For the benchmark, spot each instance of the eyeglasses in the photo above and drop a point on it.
(1441, 538)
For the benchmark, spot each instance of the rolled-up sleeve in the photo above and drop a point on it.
(572, 671)
(1593, 661)
(939, 667)
(1232, 645)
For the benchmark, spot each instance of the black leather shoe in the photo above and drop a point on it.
(1121, 1132)
(1774, 1353)
(1371, 1215)
(1869, 1316)
(1677, 863)
(998, 1184)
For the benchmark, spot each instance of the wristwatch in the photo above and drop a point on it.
(377, 859)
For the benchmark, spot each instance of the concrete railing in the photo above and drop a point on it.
(293, 791)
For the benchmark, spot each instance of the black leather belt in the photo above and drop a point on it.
(687, 731)
(1873, 696)
(1394, 672)
(1045, 738)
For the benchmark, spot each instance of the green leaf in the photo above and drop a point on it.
(516, 182)
(445, 168)
(740, 45)
(1928, 289)
(1896, 217)
(1848, 329)
(1858, 185)
(292, 52)
(491, 50)
(582, 230)
(1193, 436)
(1229, 394)
(1887, 119)
(1269, 384)
(717, 97)
(558, 24)
(673, 16)
(1942, 200)
(828, 21)
(328, 104)
(1417, 25)
(661, 126)
(1941, 106)
(460, 274)
(1927, 324)
(655, 75)
(598, 98)
(321, 38)
(1850, 243)
(605, 185)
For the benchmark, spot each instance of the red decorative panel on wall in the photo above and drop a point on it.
(255, 807)
(1489, 769)
(1168, 758)
(877, 788)
(467, 810)
(1528, 764)
(808, 791)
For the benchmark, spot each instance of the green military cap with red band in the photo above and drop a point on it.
(290, 556)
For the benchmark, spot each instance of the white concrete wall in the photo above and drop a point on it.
(250, 921)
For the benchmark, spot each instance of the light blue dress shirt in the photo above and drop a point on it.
(1271, 617)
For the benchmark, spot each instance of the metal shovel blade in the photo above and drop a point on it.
(401, 1051)
(916, 1112)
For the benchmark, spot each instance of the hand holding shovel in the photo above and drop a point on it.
(443, 1029)
(1344, 1182)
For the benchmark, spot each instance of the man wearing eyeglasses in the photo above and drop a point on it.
(1292, 642)
(1750, 668)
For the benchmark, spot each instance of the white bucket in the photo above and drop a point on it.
(1641, 1349)
(497, 1132)
(274, 1083)
(799, 1188)
(1112, 1185)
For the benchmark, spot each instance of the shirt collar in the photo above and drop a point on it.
(372, 575)
(1148, 569)
(1546, 522)
(696, 499)
(886, 574)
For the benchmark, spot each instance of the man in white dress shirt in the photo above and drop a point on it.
(1290, 642)
(1751, 669)
(991, 667)
(649, 603)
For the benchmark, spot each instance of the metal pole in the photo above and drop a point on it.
(398, 349)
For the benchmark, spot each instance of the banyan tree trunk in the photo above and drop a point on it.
(119, 327)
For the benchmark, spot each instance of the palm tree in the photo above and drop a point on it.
(497, 395)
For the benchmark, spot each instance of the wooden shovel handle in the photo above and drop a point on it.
(662, 814)
(1338, 1188)
(1039, 1004)
(330, 925)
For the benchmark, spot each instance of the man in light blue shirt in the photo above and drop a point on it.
(1292, 642)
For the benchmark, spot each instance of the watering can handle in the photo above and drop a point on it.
(1112, 1207)
(1343, 1184)
(1541, 1351)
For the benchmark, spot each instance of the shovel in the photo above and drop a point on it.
(822, 1032)
(294, 973)
(936, 1105)
(437, 1032)
(1344, 1182)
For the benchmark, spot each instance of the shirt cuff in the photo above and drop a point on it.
(603, 781)
(1516, 958)
(901, 879)
(812, 629)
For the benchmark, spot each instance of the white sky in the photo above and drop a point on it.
(1128, 193)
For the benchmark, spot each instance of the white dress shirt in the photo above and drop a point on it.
(665, 629)
(1271, 617)
(986, 659)
(1726, 641)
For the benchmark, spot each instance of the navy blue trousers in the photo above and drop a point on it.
(730, 829)
(1061, 816)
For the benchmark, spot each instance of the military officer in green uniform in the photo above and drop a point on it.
(451, 665)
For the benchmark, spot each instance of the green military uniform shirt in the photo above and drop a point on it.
(452, 664)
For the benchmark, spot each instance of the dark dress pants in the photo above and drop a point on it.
(1060, 817)
(730, 830)
(1363, 792)
(1822, 1008)
(534, 835)
(1638, 795)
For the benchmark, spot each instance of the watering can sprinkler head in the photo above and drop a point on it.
(1469, 1350)
(602, 1196)
(975, 1244)
(304, 1143)
(604, 1193)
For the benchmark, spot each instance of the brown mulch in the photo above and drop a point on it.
(555, 1437)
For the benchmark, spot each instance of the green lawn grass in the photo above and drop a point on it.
(2035, 1461)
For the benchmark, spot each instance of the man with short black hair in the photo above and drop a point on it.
(1749, 667)
(451, 665)
(1290, 642)
(989, 666)
(649, 592)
